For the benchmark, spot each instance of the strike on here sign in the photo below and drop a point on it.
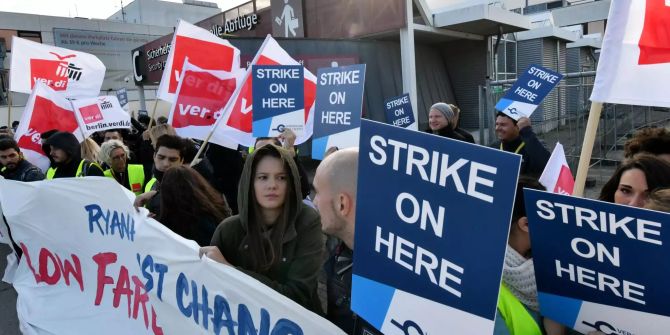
(430, 246)
(338, 105)
(399, 111)
(278, 99)
(528, 92)
(600, 266)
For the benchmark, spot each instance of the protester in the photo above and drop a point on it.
(335, 187)
(160, 130)
(276, 238)
(441, 121)
(202, 164)
(659, 200)
(191, 207)
(518, 137)
(654, 141)
(161, 120)
(65, 152)
(227, 167)
(632, 182)
(517, 312)
(169, 153)
(13, 165)
(116, 155)
(90, 150)
(113, 134)
(286, 140)
(15, 125)
(457, 117)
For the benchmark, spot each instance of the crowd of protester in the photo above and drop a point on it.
(256, 209)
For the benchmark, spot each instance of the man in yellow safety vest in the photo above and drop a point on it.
(65, 152)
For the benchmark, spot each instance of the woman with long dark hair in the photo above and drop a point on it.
(276, 238)
(635, 179)
(191, 207)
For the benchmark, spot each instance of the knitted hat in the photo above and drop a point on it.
(445, 110)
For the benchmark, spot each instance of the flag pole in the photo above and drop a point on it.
(587, 147)
(153, 113)
(202, 148)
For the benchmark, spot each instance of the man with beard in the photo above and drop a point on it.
(65, 151)
(169, 153)
(14, 165)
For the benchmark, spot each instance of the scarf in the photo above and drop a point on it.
(519, 277)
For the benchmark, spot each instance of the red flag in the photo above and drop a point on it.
(556, 176)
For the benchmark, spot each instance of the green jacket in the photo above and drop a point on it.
(295, 276)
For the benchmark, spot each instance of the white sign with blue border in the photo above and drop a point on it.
(432, 220)
(600, 266)
(278, 99)
(528, 92)
(338, 106)
(399, 111)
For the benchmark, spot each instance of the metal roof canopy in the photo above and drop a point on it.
(548, 31)
(481, 19)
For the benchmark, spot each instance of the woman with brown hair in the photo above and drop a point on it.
(276, 238)
(189, 206)
(635, 179)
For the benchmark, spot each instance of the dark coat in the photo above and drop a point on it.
(24, 172)
(535, 155)
(68, 142)
(295, 275)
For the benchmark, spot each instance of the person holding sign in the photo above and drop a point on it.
(441, 121)
(335, 185)
(634, 180)
(518, 137)
(276, 238)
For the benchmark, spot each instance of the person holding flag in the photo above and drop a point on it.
(65, 151)
(518, 137)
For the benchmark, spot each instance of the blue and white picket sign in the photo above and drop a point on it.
(338, 105)
(399, 111)
(432, 219)
(122, 96)
(600, 266)
(278, 99)
(528, 92)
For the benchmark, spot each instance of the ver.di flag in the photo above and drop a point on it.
(201, 98)
(556, 176)
(634, 63)
(74, 73)
(237, 122)
(45, 110)
(203, 50)
(99, 114)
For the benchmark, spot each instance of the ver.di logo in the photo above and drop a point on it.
(54, 73)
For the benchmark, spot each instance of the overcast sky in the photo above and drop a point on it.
(98, 9)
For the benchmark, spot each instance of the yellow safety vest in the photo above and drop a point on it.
(150, 184)
(523, 144)
(52, 171)
(135, 177)
(515, 314)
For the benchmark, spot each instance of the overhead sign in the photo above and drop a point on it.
(399, 111)
(247, 22)
(127, 273)
(432, 219)
(528, 92)
(600, 266)
(287, 18)
(338, 105)
(278, 99)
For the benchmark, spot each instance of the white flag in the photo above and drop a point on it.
(74, 73)
(634, 64)
(101, 113)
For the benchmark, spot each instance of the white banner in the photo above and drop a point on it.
(101, 113)
(93, 264)
(75, 73)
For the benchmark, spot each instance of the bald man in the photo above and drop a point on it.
(335, 187)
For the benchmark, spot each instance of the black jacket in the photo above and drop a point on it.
(465, 134)
(535, 155)
(69, 143)
(448, 132)
(24, 172)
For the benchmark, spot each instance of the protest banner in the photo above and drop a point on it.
(237, 122)
(100, 114)
(339, 102)
(399, 111)
(556, 177)
(45, 110)
(11, 259)
(104, 268)
(634, 58)
(122, 95)
(528, 92)
(432, 220)
(600, 266)
(278, 99)
(203, 50)
(201, 98)
(73, 73)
